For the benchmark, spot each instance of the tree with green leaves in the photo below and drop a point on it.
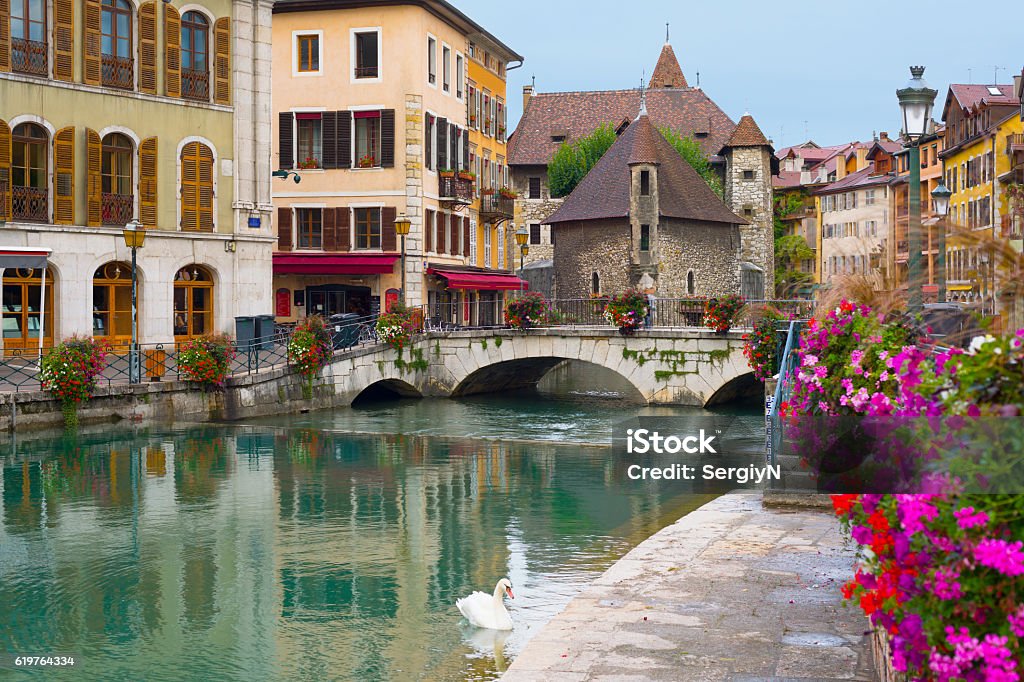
(692, 153)
(573, 161)
(790, 249)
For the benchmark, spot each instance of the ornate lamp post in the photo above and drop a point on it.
(134, 236)
(916, 102)
(940, 201)
(522, 239)
(402, 227)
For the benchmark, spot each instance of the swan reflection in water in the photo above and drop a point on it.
(487, 643)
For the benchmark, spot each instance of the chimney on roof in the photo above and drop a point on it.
(840, 166)
(527, 95)
(1016, 83)
(805, 177)
(862, 158)
(884, 136)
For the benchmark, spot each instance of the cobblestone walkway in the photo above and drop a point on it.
(732, 591)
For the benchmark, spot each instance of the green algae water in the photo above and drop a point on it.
(328, 546)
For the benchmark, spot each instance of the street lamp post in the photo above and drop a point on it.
(916, 102)
(402, 227)
(940, 201)
(134, 236)
(522, 239)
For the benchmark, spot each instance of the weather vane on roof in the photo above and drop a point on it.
(666, 31)
(643, 96)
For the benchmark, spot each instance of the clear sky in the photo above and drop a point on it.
(824, 70)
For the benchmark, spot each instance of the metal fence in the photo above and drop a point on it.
(788, 365)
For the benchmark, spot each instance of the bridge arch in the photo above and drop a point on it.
(511, 375)
(385, 390)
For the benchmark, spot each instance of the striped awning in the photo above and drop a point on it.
(23, 257)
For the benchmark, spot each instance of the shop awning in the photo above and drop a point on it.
(481, 280)
(23, 257)
(334, 263)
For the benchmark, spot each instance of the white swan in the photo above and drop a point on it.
(486, 611)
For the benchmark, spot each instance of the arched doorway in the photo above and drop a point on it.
(22, 299)
(193, 302)
(112, 304)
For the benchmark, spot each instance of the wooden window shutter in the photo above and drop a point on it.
(64, 176)
(5, 168)
(428, 141)
(388, 238)
(387, 138)
(147, 182)
(206, 198)
(284, 229)
(147, 48)
(342, 228)
(453, 146)
(63, 40)
(329, 241)
(329, 125)
(222, 61)
(465, 150)
(285, 140)
(465, 236)
(344, 139)
(197, 200)
(442, 144)
(5, 39)
(172, 51)
(428, 231)
(94, 177)
(453, 225)
(92, 55)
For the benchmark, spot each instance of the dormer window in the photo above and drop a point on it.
(700, 134)
(558, 138)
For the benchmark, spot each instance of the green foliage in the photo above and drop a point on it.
(692, 153)
(790, 250)
(573, 161)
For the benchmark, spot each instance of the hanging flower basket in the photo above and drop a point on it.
(206, 360)
(626, 311)
(69, 371)
(720, 313)
(309, 349)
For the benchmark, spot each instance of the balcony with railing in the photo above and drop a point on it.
(118, 72)
(30, 204)
(496, 207)
(366, 71)
(455, 189)
(195, 84)
(118, 209)
(1015, 143)
(29, 56)
(1012, 227)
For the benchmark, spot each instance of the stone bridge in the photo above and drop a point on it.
(666, 367)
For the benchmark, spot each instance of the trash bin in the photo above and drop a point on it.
(245, 332)
(156, 363)
(344, 330)
(265, 331)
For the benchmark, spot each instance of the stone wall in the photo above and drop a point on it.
(708, 250)
(752, 200)
(600, 246)
(529, 211)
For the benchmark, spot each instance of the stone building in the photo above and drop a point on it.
(552, 119)
(643, 218)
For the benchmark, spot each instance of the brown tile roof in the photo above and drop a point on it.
(786, 179)
(604, 192)
(747, 134)
(577, 114)
(968, 96)
(667, 74)
(863, 178)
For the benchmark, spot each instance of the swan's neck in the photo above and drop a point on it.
(499, 596)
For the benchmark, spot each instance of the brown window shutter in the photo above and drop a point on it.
(5, 36)
(206, 198)
(465, 237)
(442, 144)
(285, 140)
(388, 238)
(428, 145)
(147, 48)
(284, 229)
(454, 246)
(91, 55)
(63, 40)
(453, 146)
(329, 126)
(344, 139)
(428, 231)
(222, 61)
(387, 138)
(172, 51)
(64, 176)
(5, 169)
(343, 228)
(329, 241)
(94, 184)
(465, 150)
(197, 200)
(147, 182)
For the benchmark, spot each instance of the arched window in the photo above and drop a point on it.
(29, 53)
(196, 187)
(595, 284)
(29, 186)
(118, 66)
(691, 283)
(118, 192)
(195, 56)
(22, 298)
(193, 302)
(112, 303)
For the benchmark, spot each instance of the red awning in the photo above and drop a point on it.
(480, 280)
(334, 263)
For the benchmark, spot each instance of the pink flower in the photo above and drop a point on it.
(1005, 557)
(967, 518)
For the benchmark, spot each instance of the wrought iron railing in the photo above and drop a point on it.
(118, 72)
(496, 206)
(788, 365)
(1014, 143)
(29, 56)
(30, 204)
(118, 209)
(455, 188)
(195, 84)
(366, 72)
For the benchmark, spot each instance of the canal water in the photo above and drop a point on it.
(330, 545)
